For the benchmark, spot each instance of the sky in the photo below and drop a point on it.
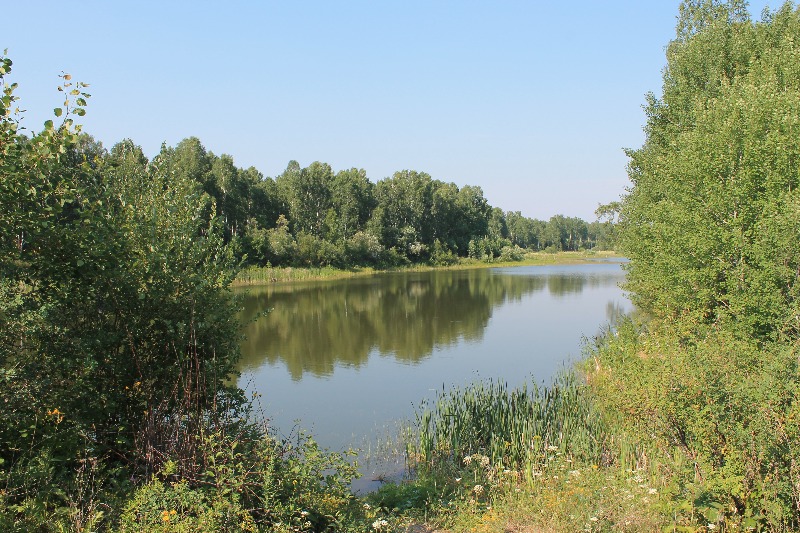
(533, 101)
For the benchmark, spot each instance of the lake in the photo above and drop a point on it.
(349, 359)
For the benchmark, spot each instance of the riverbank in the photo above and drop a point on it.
(676, 432)
(267, 275)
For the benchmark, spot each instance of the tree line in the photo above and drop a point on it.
(315, 216)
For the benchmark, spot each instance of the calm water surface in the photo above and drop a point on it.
(348, 359)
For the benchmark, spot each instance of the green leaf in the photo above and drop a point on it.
(58, 111)
(80, 112)
(48, 124)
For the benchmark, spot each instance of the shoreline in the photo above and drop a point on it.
(255, 276)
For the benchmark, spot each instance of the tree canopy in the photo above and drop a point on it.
(712, 219)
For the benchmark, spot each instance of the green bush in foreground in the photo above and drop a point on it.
(251, 483)
(723, 417)
(118, 338)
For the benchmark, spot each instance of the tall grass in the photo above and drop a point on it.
(256, 275)
(514, 427)
(265, 275)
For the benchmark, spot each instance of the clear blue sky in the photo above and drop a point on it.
(531, 100)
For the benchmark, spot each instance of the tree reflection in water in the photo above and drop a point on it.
(314, 327)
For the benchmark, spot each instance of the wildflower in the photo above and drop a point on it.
(378, 525)
(367, 507)
(467, 460)
(575, 473)
(593, 519)
(55, 413)
(304, 513)
(478, 490)
(712, 527)
(484, 461)
(652, 491)
(165, 516)
(552, 448)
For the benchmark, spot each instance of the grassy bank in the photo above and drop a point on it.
(266, 275)
(494, 459)
(662, 431)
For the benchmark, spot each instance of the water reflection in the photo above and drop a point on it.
(315, 327)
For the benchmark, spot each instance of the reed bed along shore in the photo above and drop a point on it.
(254, 275)
(513, 427)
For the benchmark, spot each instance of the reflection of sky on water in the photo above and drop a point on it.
(349, 358)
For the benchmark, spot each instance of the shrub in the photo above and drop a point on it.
(723, 413)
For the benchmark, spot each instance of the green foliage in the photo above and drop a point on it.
(251, 482)
(312, 217)
(116, 329)
(714, 197)
(513, 428)
(512, 253)
(711, 225)
(722, 414)
(441, 255)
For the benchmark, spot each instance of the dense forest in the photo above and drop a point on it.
(314, 216)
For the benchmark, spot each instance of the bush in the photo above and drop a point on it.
(724, 415)
(512, 253)
(364, 249)
(250, 482)
(442, 255)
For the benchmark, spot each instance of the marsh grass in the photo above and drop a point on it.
(264, 275)
(514, 427)
(530, 458)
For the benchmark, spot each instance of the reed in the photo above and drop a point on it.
(515, 427)
(268, 274)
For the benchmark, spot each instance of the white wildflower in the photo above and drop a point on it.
(378, 525)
